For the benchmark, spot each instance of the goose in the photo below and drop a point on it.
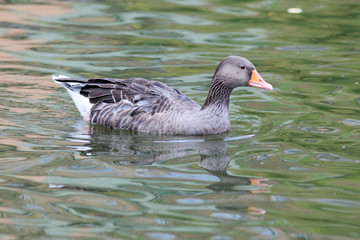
(138, 104)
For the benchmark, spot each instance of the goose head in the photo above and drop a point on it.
(236, 71)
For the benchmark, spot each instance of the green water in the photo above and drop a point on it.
(289, 169)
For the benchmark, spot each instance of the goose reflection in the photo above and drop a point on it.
(134, 148)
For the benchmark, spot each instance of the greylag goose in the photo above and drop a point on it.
(138, 104)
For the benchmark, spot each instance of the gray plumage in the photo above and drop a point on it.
(151, 106)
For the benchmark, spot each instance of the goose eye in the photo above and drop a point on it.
(242, 67)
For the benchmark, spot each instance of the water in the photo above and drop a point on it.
(289, 169)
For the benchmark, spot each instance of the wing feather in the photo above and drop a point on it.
(120, 103)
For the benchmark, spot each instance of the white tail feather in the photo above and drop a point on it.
(82, 103)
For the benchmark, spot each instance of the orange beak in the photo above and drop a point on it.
(257, 81)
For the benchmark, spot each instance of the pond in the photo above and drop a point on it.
(289, 168)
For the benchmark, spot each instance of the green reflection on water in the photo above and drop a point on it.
(297, 178)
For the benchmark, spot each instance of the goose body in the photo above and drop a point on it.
(151, 106)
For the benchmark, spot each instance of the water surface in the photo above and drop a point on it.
(289, 169)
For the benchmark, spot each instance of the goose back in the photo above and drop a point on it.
(133, 104)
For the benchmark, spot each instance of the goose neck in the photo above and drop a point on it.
(218, 96)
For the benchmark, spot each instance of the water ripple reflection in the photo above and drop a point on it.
(288, 169)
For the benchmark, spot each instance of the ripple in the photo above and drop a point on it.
(235, 11)
(135, 17)
(188, 2)
(351, 122)
(229, 139)
(178, 175)
(229, 216)
(161, 236)
(190, 201)
(180, 141)
(330, 157)
(305, 48)
(221, 237)
(320, 129)
(293, 151)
